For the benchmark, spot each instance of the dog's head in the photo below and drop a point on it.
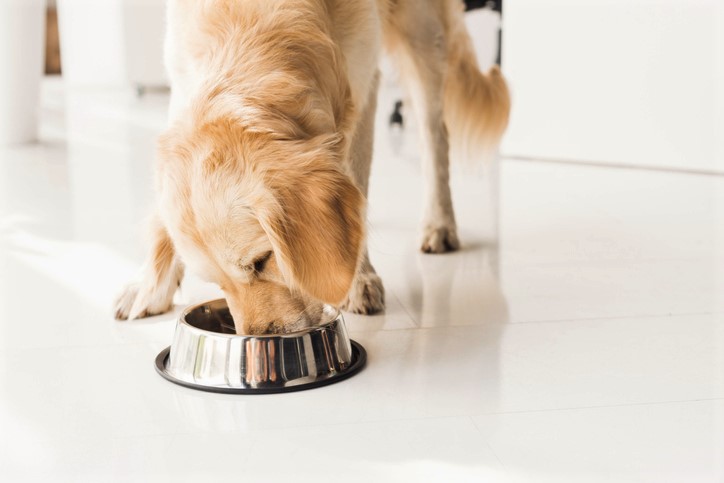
(272, 221)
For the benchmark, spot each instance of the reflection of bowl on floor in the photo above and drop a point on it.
(207, 354)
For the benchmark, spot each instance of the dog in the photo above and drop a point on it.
(262, 173)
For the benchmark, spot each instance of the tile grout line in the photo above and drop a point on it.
(668, 315)
(415, 322)
(613, 165)
(615, 318)
(603, 406)
(488, 443)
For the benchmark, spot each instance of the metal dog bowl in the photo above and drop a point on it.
(207, 354)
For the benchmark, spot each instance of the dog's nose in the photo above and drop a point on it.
(254, 312)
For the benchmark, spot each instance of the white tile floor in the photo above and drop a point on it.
(584, 343)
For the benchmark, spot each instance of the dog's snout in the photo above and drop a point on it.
(268, 308)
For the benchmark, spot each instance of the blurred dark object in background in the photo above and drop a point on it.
(496, 5)
(52, 42)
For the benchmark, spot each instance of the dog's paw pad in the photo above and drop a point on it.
(440, 240)
(367, 295)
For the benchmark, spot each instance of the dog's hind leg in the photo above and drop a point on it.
(367, 295)
(160, 277)
(415, 36)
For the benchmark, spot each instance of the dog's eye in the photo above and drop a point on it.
(260, 262)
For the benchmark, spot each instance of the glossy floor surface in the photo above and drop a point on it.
(577, 336)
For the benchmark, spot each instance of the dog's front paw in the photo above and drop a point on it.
(440, 239)
(367, 295)
(136, 302)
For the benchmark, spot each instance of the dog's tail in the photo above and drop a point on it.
(477, 105)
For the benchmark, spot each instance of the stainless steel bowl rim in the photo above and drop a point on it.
(334, 315)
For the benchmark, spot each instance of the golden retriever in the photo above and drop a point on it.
(262, 174)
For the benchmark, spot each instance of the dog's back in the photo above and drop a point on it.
(476, 105)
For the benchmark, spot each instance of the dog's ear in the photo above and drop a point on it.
(316, 228)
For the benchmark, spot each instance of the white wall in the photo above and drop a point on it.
(483, 25)
(112, 42)
(620, 81)
(90, 41)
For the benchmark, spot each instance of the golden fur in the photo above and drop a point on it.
(263, 171)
